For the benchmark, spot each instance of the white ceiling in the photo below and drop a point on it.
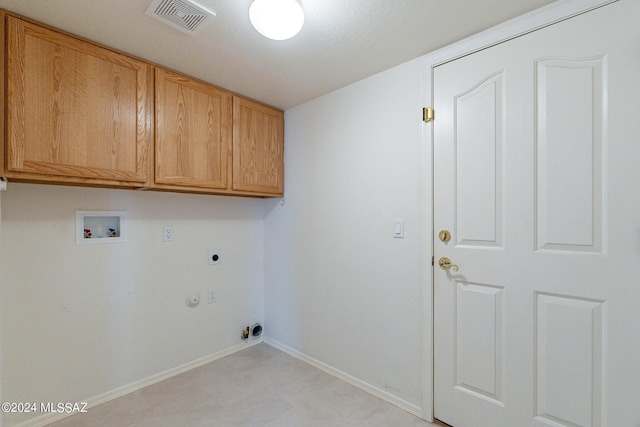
(341, 42)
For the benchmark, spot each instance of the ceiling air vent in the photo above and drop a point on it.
(183, 15)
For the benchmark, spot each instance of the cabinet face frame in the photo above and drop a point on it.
(258, 148)
(193, 133)
(120, 168)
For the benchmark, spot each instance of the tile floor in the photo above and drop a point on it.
(260, 386)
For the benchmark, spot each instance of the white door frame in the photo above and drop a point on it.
(527, 23)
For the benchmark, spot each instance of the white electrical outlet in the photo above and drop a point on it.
(215, 258)
(212, 297)
(167, 233)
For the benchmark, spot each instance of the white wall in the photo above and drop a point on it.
(81, 320)
(338, 287)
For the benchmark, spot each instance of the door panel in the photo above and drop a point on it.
(571, 97)
(569, 367)
(479, 332)
(536, 152)
(478, 146)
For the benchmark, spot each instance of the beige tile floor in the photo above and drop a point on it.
(260, 386)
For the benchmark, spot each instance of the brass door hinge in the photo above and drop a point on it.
(427, 114)
(433, 258)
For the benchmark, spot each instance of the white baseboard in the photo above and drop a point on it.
(375, 391)
(45, 419)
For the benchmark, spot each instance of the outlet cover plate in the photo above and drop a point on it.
(167, 233)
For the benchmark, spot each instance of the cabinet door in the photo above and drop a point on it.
(193, 132)
(76, 112)
(258, 148)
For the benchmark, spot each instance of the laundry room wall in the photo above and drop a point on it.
(340, 289)
(82, 321)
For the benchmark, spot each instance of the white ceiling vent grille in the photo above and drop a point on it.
(183, 15)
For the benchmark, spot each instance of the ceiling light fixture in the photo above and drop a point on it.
(276, 19)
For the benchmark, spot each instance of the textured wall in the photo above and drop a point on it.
(81, 320)
(339, 287)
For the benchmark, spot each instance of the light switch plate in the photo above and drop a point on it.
(398, 228)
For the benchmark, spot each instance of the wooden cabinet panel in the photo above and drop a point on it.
(193, 132)
(258, 148)
(76, 111)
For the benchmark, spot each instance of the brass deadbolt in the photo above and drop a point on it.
(444, 235)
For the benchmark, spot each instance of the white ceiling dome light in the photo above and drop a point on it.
(276, 19)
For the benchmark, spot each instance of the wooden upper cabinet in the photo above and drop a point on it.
(193, 133)
(258, 148)
(76, 112)
(79, 113)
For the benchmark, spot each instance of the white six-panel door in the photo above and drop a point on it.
(537, 177)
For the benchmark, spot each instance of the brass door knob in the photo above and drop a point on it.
(445, 264)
